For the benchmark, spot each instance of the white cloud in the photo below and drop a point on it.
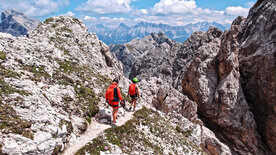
(250, 4)
(69, 14)
(105, 18)
(87, 18)
(144, 11)
(182, 12)
(175, 13)
(165, 7)
(34, 7)
(106, 6)
(236, 11)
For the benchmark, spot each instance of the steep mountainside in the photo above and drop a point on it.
(230, 76)
(52, 84)
(124, 33)
(16, 23)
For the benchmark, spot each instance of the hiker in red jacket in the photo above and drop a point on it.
(113, 96)
(133, 92)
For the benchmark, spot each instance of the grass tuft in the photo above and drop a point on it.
(2, 55)
(48, 20)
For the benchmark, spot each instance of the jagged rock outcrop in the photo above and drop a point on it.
(16, 23)
(167, 99)
(169, 60)
(158, 61)
(212, 81)
(246, 83)
(52, 84)
(257, 63)
(138, 52)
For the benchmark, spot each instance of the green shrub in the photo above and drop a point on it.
(95, 147)
(6, 89)
(5, 73)
(2, 55)
(10, 122)
(64, 28)
(87, 97)
(48, 20)
(129, 47)
(69, 67)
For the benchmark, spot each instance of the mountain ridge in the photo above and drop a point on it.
(124, 33)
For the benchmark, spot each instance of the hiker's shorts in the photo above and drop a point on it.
(114, 105)
(134, 97)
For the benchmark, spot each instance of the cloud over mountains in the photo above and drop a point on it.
(113, 12)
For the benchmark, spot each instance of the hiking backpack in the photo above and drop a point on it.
(132, 89)
(109, 94)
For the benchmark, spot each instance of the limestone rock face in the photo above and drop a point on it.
(214, 84)
(200, 46)
(240, 79)
(16, 23)
(257, 61)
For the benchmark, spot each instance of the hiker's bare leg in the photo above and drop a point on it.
(114, 113)
(130, 105)
(134, 105)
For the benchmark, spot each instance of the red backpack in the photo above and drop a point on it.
(109, 94)
(132, 89)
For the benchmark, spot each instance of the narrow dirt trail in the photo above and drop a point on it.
(92, 132)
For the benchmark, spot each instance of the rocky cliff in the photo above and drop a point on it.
(16, 23)
(257, 60)
(229, 75)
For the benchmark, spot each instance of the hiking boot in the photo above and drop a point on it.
(113, 125)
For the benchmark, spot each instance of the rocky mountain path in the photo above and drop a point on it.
(93, 131)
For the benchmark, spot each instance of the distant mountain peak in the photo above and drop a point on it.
(122, 25)
(16, 23)
(100, 26)
(10, 12)
(144, 24)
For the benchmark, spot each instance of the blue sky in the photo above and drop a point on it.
(130, 12)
